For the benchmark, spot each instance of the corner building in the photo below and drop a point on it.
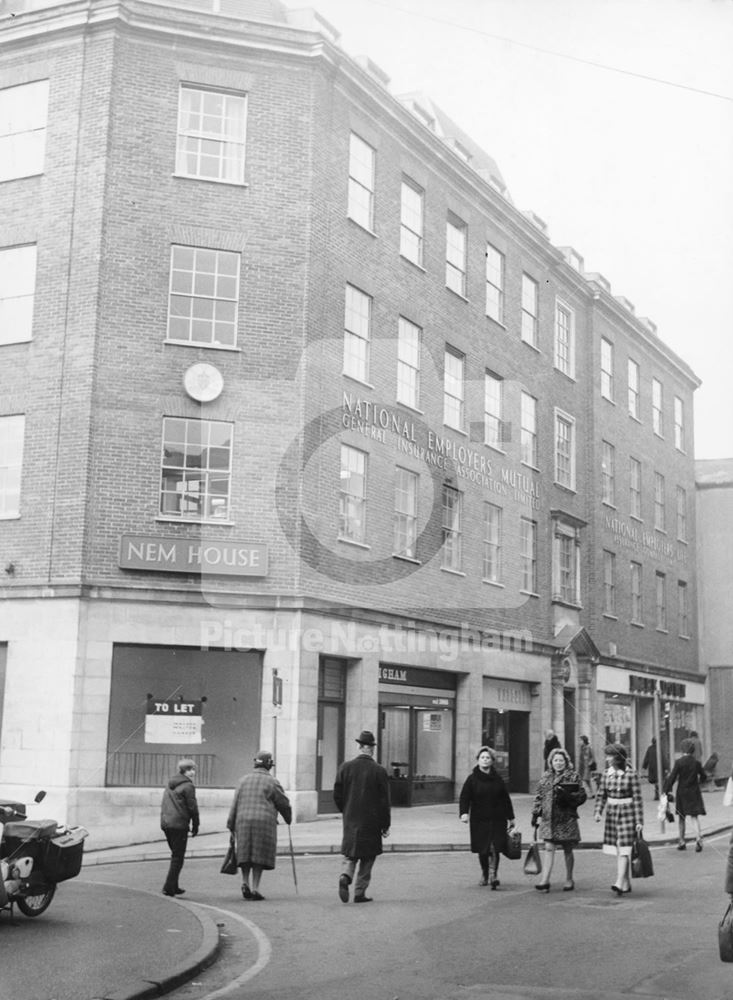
(304, 428)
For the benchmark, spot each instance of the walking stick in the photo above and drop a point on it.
(292, 859)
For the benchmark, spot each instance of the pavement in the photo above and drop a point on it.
(421, 828)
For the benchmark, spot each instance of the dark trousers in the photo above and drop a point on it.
(364, 874)
(177, 840)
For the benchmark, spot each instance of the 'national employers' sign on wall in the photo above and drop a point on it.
(188, 555)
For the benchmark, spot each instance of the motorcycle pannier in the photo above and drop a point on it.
(64, 854)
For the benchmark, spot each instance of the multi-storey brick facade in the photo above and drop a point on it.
(391, 461)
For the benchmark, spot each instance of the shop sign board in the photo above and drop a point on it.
(187, 555)
(173, 721)
(416, 676)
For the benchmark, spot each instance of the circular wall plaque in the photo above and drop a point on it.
(203, 382)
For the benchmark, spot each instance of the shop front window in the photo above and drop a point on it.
(172, 702)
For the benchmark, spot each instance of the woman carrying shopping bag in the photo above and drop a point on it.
(620, 795)
(485, 805)
(555, 809)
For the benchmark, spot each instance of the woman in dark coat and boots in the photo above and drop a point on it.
(559, 793)
(688, 772)
(485, 805)
(253, 821)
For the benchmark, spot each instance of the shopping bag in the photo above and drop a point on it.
(533, 862)
(728, 793)
(229, 864)
(513, 849)
(641, 859)
(725, 935)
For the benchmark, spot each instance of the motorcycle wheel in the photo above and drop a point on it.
(33, 906)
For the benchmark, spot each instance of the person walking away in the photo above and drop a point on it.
(696, 745)
(619, 793)
(258, 800)
(361, 794)
(484, 804)
(551, 741)
(688, 774)
(179, 811)
(649, 764)
(586, 766)
(555, 809)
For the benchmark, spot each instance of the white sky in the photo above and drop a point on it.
(636, 175)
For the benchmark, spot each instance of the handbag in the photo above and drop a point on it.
(229, 864)
(533, 862)
(513, 849)
(725, 935)
(641, 859)
(728, 793)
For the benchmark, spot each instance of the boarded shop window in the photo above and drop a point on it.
(219, 688)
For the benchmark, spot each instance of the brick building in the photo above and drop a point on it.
(305, 427)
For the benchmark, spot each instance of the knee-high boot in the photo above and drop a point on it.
(493, 869)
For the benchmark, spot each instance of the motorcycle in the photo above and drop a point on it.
(35, 855)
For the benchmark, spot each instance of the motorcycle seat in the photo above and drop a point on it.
(30, 829)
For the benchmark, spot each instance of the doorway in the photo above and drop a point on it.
(330, 729)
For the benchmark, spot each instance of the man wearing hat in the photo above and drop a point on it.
(361, 793)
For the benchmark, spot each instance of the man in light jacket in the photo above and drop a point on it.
(361, 793)
(178, 811)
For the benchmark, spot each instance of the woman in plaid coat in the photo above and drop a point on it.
(620, 794)
(253, 821)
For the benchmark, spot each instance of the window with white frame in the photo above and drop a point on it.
(17, 293)
(637, 607)
(661, 602)
(204, 295)
(608, 473)
(352, 495)
(566, 563)
(454, 389)
(492, 543)
(494, 283)
(564, 450)
(362, 162)
(679, 424)
(606, 369)
(530, 310)
(681, 514)
(412, 216)
(609, 583)
(635, 487)
(452, 529)
(528, 555)
(409, 339)
(493, 410)
(634, 377)
(196, 469)
(683, 609)
(659, 505)
(23, 118)
(564, 339)
(212, 127)
(405, 513)
(12, 432)
(456, 246)
(657, 407)
(357, 333)
(528, 429)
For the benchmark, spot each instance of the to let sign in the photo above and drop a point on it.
(185, 555)
(173, 721)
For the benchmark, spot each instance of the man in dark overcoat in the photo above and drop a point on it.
(361, 793)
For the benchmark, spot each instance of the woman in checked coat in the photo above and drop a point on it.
(253, 821)
(620, 794)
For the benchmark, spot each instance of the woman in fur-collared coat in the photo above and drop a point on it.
(555, 809)
(253, 821)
